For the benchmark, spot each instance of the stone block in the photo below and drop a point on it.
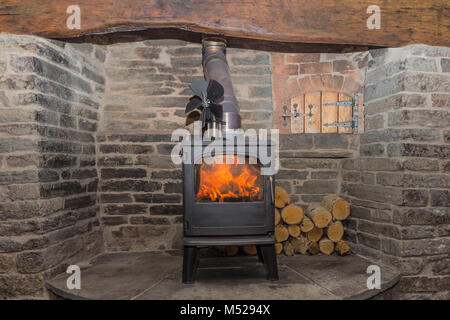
(112, 173)
(291, 174)
(380, 164)
(372, 150)
(131, 185)
(418, 150)
(115, 161)
(419, 118)
(49, 71)
(421, 164)
(308, 163)
(295, 141)
(440, 198)
(324, 174)
(167, 174)
(394, 102)
(173, 187)
(166, 209)
(317, 187)
(115, 198)
(13, 285)
(157, 198)
(125, 209)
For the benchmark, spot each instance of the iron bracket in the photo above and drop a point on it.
(349, 103)
(296, 114)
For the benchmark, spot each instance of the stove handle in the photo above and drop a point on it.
(271, 189)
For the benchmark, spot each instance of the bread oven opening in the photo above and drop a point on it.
(229, 178)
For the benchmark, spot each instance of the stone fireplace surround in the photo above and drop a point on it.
(85, 143)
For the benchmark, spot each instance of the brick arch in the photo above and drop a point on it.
(295, 75)
(326, 82)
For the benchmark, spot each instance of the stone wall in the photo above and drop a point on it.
(399, 184)
(146, 92)
(148, 85)
(50, 95)
(85, 145)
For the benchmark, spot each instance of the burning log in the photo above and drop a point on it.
(339, 208)
(282, 198)
(224, 182)
(319, 215)
(281, 233)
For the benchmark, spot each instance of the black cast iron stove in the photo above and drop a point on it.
(227, 199)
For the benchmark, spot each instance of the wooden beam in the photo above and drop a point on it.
(301, 21)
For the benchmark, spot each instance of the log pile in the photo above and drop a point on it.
(318, 229)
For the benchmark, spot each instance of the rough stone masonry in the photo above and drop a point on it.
(85, 151)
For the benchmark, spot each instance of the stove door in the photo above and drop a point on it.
(227, 196)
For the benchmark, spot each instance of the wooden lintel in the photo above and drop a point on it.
(300, 21)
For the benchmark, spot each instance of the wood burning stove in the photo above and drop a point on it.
(227, 199)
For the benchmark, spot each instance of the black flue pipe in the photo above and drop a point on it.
(215, 67)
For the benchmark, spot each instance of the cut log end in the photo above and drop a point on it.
(315, 234)
(282, 197)
(278, 247)
(292, 214)
(250, 250)
(294, 230)
(314, 248)
(326, 246)
(335, 231)
(319, 215)
(281, 233)
(301, 245)
(277, 217)
(288, 248)
(307, 225)
(342, 247)
(339, 208)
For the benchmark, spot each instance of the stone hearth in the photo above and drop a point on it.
(157, 276)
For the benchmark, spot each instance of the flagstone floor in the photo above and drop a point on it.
(146, 275)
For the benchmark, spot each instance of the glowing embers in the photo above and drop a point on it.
(222, 182)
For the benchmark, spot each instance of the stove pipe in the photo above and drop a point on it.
(215, 67)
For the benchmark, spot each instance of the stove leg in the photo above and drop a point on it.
(270, 261)
(190, 263)
(260, 256)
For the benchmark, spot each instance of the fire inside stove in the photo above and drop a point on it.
(225, 182)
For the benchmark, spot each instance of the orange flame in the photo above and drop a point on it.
(224, 181)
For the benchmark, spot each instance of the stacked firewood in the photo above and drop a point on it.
(317, 229)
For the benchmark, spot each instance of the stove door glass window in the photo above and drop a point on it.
(227, 179)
